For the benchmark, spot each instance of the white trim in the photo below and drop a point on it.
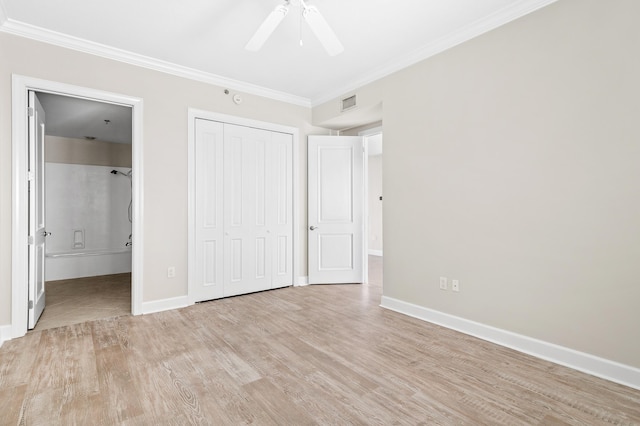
(365, 209)
(302, 281)
(20, 86)
(5, 333)
(165, 304)
(297, 235)
(193, 114)
(375, 252)
(590, 364)
(33, 32)
(509, 13)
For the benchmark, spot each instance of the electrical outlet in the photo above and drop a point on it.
(171, 272)
(455, 285)
(443, 283)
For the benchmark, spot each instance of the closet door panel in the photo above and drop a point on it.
(281, 208)
(247, 189)
(208, 210)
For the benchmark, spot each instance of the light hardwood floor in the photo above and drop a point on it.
(325, 354)
(85, 299)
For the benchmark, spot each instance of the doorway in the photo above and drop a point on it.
(345, 206)
(373, 205)
(87, 182)
(21, 86)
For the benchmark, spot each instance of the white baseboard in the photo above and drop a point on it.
(590, 364)
(375, 253)
(165, 304)
(302, 281)
(5, 333)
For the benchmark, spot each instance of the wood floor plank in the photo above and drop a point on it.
(16, 360)
(86, 409)
(105, 334)
(276, 404)
(116, 384)
(313, 400)
(11, 399)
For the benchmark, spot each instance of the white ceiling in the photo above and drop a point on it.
(204, 39)
(81, 118)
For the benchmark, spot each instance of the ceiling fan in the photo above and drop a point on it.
(311, 15)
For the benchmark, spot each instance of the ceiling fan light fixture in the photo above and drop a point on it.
(311, 15)
(268, 27)
(322, 30)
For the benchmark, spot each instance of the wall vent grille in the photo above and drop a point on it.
(348, 103)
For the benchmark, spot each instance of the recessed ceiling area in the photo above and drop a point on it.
(206, 39)
(78, 118)
(355, 117)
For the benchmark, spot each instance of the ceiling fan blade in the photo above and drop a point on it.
(322, 30)
(267, 28)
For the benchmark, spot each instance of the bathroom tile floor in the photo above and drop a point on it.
(85, 299)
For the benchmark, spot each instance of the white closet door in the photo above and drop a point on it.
(256, 210)
(208, 214)
(244, 210)
(280, 205)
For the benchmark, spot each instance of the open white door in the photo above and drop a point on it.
(336, 200)
(37, 230)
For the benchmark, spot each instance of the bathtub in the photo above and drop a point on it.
(87, 263)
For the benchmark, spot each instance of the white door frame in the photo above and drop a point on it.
(366, 134)
(19, 213)
(194, 114)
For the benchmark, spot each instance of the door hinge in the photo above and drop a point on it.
(30, 239)
(30, 176)
(30, 304)
(31, 111)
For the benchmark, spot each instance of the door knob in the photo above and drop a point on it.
(45, 233)
(313, 228)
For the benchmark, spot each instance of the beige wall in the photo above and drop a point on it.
(81, 151)
(166, 100)
(512, 163)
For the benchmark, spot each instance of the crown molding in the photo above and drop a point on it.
(502, 17)
(22, 29)
(475, 29)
